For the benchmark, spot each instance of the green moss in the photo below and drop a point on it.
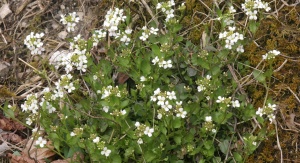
(4, 92)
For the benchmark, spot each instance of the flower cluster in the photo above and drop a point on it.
(162, 63)
(70, 21)
(231, 38)
(125, 36)
(166, 8)
(76, 131)
(251, 8)
(147, 32)
(227, 102)
(267, 110)
(31, 106)
(62, 85)
(34, 43)
(75, 57)
(110, 90)
(97, 36)
(209, 125)
(204, 83)
(112, 20)
(143, 130)
(271, 54)
(166, 100)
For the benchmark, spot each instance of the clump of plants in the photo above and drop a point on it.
(185, 102)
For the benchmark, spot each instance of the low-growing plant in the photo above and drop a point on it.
(181, 103)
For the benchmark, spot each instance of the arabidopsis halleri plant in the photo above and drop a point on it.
(110, 90)
(70, 20)
(271, 55)
(162, 63)
(34, 43)
(41, 142)
(98, 35)
(268, 111)
(143, 130)
(203, 84)
(166, 8)
(165, 101)
(112, 20)
(209, 125)
(231, 38)
(125, 36)
(251, 7)
(147, 32)
(75, 57)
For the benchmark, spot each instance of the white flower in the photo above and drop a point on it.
(158, 6)
(153, 30)
(41, 142)
(220, 99)
(272, 106)
(208, 119)
(159, 116)
(231, 9)
(153, 98)
(128, 31)
(148, 131)
(105, 109)
(155, 60)
(181, 113)
(123, 112)
(157, 91)
(105, 151)
(72, 134)
(201, 88)
(142, 78)
(96, 140)
(171, 95)
(137, 124)
(166, 106)
(161, 100)
(235, 104)
(259, 112)
(140, 141)
(240, 49)
(144, 36)
(28, 121)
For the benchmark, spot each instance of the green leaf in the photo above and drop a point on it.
(224, 146)
(116, 159)
(146, 67)
(155, 49)
(9, 113)
(237, 157)
(149, 156)
(124, 104)
(176, 28)
(253, 26)
(177, 139)
(177, 123)
(259, 76)
(191, 71)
